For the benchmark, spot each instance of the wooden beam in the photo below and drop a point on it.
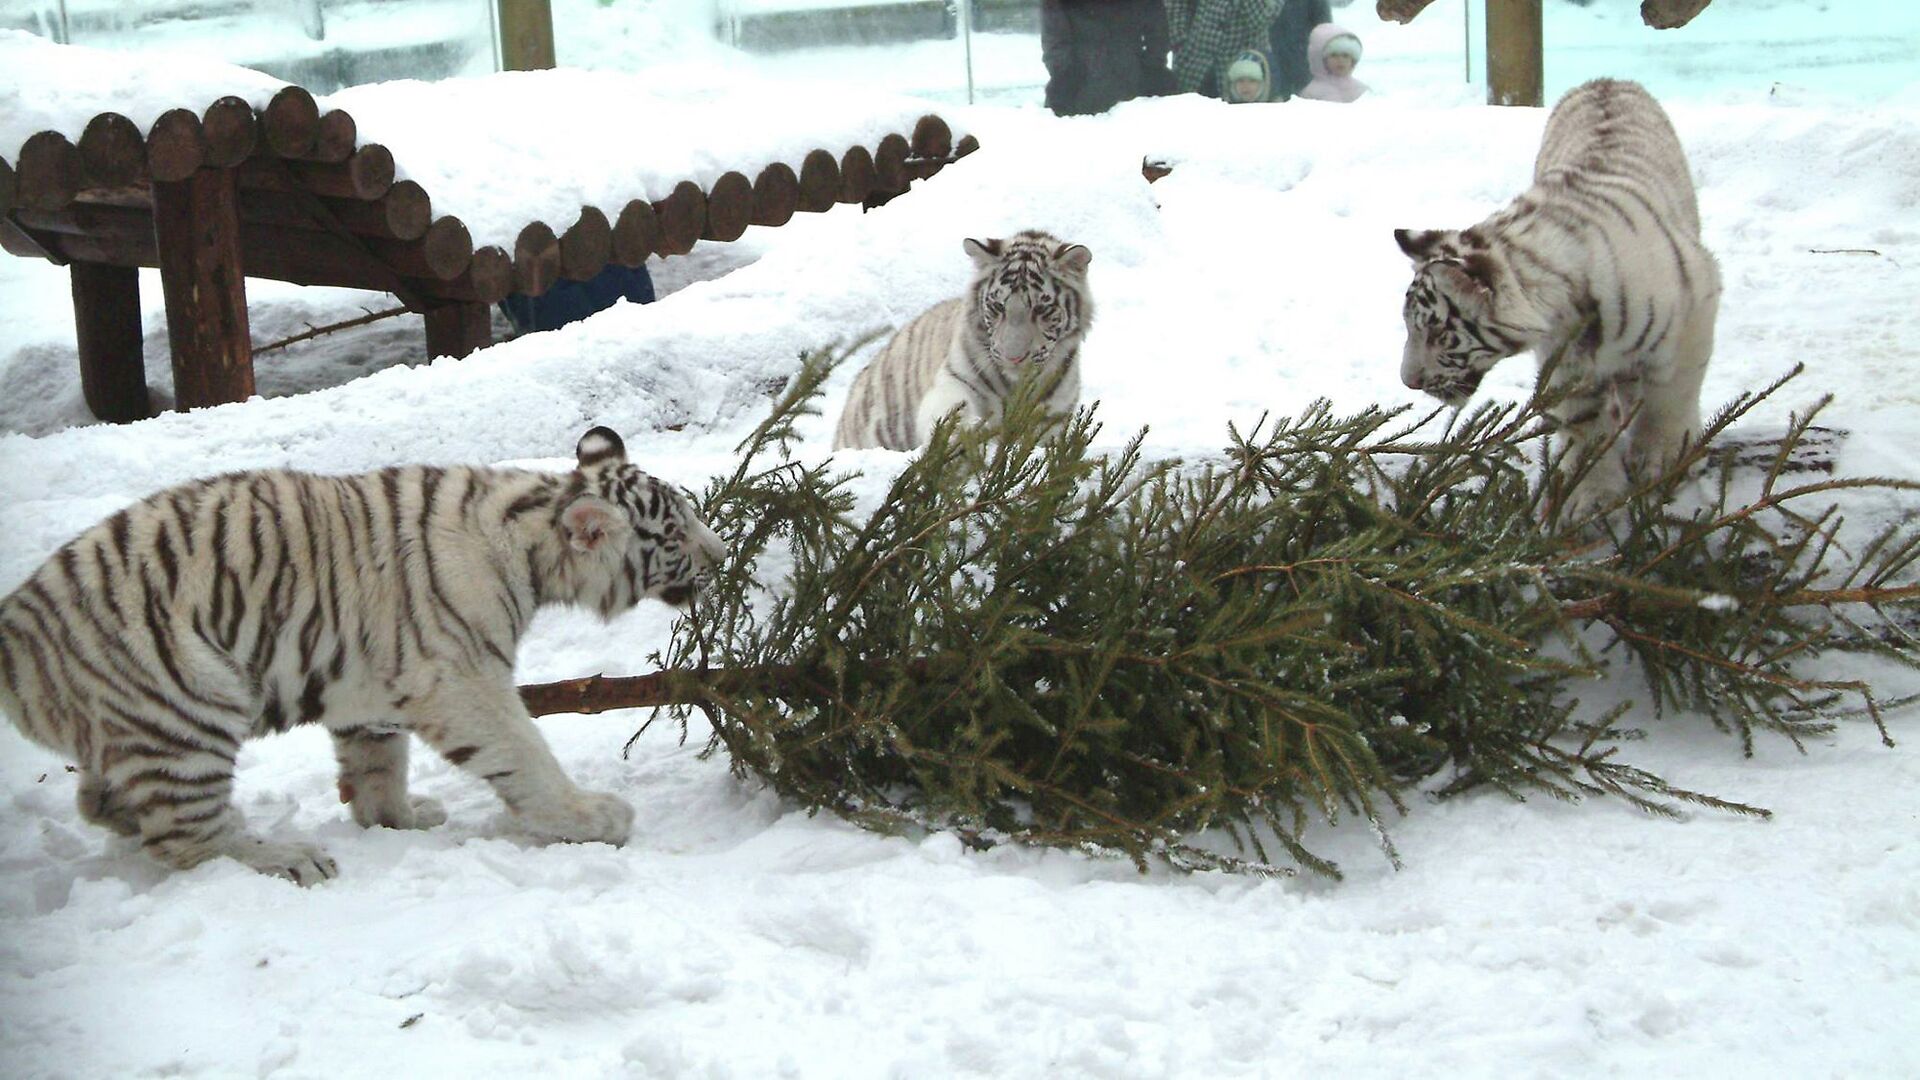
(458, 330)
(526, 35)
(1515, 72)
(196, 228)
(108, 333)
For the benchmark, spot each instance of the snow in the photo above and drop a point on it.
(735, 936)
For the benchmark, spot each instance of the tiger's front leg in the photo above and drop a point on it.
(373, 780)
(478, 723)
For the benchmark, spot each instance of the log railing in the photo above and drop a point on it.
(289, 192)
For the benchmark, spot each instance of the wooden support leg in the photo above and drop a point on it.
(196, 226)
(106, 320)
(458, 329)
(1514, 44)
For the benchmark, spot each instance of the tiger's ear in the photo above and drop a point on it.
(982, 252)
(1418, 245)
(588, 522)
(600, 446)
(1073, 258)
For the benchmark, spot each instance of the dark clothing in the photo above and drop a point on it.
(570, 301)
(1102, 52)
(1289, 44)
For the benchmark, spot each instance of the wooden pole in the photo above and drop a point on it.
(107, 330)
(526, 35)
(458, 330)
(196, 229)
(1515, 69)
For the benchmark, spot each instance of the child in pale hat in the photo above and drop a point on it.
(1247, 78)
(1332, 54)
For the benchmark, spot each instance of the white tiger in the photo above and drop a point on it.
(1026, 310)
(379, 604)
(1598, 269)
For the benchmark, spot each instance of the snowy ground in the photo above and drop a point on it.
(735, 937)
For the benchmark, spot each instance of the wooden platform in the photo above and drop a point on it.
(214, 196)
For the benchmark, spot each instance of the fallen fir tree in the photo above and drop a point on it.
(1029, 641)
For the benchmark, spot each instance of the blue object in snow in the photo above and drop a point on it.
(570, 301)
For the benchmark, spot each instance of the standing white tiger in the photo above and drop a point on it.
(152, 644)
(1598, 269)
(1026, 310)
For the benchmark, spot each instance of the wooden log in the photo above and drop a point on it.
(196, 228)
(967, 145)
(113, 153)
(586, 245)
(7, 186)
(231, 132)
(1399, 11)
(403, 213)
(291, 122)
(776, 195)
(366, 175)
(525, 34)
(1670, 14)
(682, 215)
(636, 234)
(819, 181)
(335, 138)
(458, 330)
(536, 259)
(49, 172)
(890, 163)
(932, 138)
(857, 177)
(385, 218)
(176, 146)
(489, 277)
(442, 254)
(729, 207)
(108, 334)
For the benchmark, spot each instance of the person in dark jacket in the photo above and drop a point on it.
(1102, 52)
(1288, 53)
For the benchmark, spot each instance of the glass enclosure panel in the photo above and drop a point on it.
(320, 44)
(931, 48)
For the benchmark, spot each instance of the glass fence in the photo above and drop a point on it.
(991, 50)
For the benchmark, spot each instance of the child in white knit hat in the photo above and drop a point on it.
(1247, 78)
(1332, 53)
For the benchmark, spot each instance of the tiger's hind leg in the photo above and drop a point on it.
(99, 805)
(178, 785)
(373, 780)
(1669, 418)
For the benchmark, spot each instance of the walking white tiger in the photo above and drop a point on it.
(1598, 269)
(1025, 311)
(390, 602)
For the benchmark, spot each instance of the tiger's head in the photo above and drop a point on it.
(1030, 296)
(1453, 338)
(641, 533)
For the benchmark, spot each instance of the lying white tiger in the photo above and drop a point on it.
(1597, 269)
(391, 602)
(1026, 310)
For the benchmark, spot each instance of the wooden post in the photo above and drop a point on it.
(458, 330)
(526, 35)
(1514, 63)
(107, 329)
(196, 228)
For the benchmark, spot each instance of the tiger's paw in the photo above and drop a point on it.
(302, 864)
(587, 817)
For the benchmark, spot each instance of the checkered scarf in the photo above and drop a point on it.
(1206, 34)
